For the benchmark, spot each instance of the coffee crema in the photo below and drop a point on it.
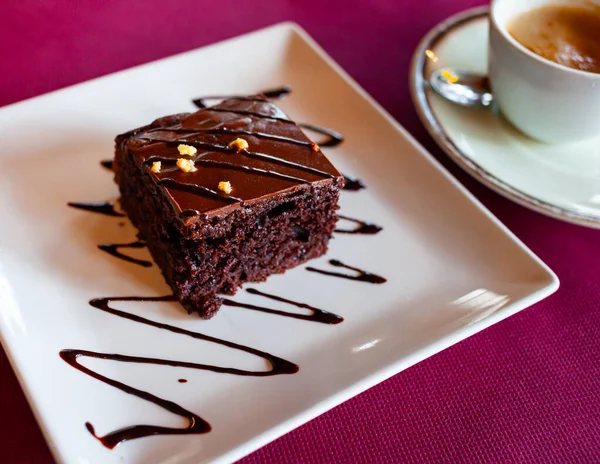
(568, 35)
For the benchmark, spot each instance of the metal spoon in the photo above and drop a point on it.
(463, 88)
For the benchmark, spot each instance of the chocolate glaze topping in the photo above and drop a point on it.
(332, 139)
(279, 158)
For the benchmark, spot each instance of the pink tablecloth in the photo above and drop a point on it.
(525, 390)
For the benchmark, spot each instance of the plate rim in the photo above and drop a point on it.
(547, 287)
(418, 90)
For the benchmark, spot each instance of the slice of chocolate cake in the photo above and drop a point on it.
(226, 195)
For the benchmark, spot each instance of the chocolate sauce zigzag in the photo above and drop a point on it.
(196, 425)
(278, 365)
(276, 93)
(106, 207)
(318, 315)
(363, 227)
(113, 250)
(361, 276)
(353, 184)
(333, 139)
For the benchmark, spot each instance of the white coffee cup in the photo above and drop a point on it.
(545, 100)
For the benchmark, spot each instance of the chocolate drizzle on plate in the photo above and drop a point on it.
(352, 183)
(196, 425)
(318, 315)
(106, 207)
(107, 164)
(361, 276)
(363, 227)
(279, 92)
(113, 250)
(333, 138)
(276, 93)
(278, 366)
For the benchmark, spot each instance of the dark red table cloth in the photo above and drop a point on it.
(524, 390)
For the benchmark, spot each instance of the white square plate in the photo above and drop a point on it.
(452, 268)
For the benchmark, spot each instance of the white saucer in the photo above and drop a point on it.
(560, 181)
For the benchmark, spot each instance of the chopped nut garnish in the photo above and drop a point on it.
(315, 147)
(186, 165)
(156, 166)
(225, 186)
(239, 144)
(187, 150)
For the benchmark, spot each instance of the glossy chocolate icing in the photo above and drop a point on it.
(280, 157)
(332, 138)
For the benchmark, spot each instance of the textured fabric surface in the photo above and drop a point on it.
(525, 390)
